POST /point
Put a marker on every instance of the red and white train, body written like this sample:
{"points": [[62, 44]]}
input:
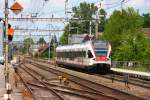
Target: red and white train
{"points": [[88, 55]]}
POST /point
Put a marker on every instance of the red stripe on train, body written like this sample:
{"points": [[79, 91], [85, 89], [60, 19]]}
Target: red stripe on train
{"points": [[101, 58]]}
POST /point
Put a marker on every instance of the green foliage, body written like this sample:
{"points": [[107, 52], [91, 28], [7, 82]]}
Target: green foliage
{"points": [[41, 41], [130, 48], [123, 30], [27, 43], [146, 20], [64, 38], [146, 46], [85, 12]]}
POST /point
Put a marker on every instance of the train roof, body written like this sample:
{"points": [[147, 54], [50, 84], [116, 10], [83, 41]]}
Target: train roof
{"points": [[74, 47]]}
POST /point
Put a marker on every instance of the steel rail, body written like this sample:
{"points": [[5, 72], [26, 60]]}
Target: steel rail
{"points": [[133, 81], [68, 88], [51, 90], [79, 94], [123, 95], [25, 84], [102, 94]]}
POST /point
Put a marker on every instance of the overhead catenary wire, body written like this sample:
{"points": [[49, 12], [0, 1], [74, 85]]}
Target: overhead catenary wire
{"points": [[34, 9], [118, 5]]}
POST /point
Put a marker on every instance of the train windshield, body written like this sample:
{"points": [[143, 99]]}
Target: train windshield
{"points": [[100, 48], [101, 52]]}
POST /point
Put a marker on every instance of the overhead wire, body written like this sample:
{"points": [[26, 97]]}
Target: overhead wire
{"points": [[36, 4], [117, 5]]}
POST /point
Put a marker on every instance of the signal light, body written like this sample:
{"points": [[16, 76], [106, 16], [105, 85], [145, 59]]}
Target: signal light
{"points": [[10, 33]]}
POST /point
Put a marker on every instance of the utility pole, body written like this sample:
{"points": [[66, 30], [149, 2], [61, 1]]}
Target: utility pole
{"points": [[90, 28], [6, 44], [122, 4], [66, 6], [66, 13], [98, 17], [30, 42], [69, 33], [90, 31], [7, 84], [49, 44], [96, 27]]}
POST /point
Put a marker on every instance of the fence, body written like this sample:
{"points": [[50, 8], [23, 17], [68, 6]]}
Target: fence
{"points": [[132, 65]]}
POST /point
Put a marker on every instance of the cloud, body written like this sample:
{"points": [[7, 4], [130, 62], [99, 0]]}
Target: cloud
{"points": [[139, 4], [57, 3]]}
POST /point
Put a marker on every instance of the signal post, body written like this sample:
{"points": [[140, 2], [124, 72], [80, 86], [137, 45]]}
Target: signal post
{"points": [[16, 8]]}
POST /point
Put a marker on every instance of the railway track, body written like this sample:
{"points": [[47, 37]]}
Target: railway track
{"points": [[55, 88], [87, 83], [73, 91], [38, 81], [132, 81], [116, 77]]}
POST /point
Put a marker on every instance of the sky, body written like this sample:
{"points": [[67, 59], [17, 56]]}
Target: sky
{"points": [[47, 8]]}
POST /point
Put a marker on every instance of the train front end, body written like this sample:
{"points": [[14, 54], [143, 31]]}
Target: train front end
{"points": [[102, 51]]}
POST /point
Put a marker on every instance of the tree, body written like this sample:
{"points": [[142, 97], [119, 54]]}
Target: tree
{"points": [[85, 13], [27, 43], [146, 20], [64, 37], [123, 30], [41, 41], [146, 52], [54, 39]]}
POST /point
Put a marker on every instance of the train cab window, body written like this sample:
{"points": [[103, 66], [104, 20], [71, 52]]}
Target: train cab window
{"points": [[89, 54]]}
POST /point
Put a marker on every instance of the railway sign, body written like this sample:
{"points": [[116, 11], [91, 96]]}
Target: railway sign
{"points": [[16, 8]]}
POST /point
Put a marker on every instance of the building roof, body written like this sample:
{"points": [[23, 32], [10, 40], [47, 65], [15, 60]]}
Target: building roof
{"points": [[80, 38], [146, 32]]}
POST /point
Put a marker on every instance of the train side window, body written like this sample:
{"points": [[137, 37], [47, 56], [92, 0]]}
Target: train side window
{"points": [[57, 54], [89, 54], [62, 55], [65, 54], [84, 53]]}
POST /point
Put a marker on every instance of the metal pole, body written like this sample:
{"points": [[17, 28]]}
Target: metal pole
{"points": [[49, 45], [30, 44], [7, 85], [54, 46], [90, 28], [98, 17], [96, 27], [6, 44], [90, 23], [69, 33], [122, 4]]}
